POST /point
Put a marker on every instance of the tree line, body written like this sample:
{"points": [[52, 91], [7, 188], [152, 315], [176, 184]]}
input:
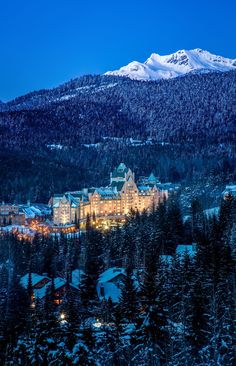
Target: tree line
{"points": [[178, 312]]}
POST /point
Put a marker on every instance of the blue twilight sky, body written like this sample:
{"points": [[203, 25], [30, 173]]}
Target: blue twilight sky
{"points": [[47, 42]]}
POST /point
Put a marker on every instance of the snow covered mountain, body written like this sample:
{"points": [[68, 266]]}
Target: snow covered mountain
{"points": [[176, 64]]}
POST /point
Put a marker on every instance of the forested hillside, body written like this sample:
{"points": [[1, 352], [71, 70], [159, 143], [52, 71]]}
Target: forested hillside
{"points": [[190, 108], [191, 122]]}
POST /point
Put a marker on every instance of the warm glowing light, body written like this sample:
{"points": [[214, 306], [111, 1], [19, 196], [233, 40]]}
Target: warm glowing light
{"points": [[63, 318], [98, 324]]}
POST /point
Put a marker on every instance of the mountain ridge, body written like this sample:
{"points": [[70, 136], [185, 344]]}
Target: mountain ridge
{"points": [[189, 122], [177, 64], [86, 109]]}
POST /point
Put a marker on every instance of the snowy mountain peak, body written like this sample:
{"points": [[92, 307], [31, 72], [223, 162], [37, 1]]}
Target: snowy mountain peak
{"points": [[176, 64]]}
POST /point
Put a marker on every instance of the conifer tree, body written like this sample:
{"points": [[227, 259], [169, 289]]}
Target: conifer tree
{"points": [[129, 299], [197, 219]]}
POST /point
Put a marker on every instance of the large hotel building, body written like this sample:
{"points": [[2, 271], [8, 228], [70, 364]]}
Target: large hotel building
{"points": [[111, 204]]}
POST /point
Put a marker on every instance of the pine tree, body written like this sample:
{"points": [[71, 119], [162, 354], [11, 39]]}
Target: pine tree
{"points": [[198, 333], [129, 299], [197, 219], [88, 284], [154, 334], [175, 225], [16, 312], [70, 309]]}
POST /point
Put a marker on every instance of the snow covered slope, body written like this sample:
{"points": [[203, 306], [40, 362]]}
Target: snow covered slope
{"points": [[177, 64]]}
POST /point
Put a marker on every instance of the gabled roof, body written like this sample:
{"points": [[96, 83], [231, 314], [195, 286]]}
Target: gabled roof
{"points": [[41, 292], [36, 278], [189, 249], [117, 185], [107, 289], [120, 171], [122, 166], [152, 178], [110, 274]]}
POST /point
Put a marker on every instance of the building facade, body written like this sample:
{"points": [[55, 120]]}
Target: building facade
{"points": [[113, 202], [11, 215]]}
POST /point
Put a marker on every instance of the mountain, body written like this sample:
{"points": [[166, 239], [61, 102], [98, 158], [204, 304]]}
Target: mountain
{"points": [[197, 107], [176, 64], [182, 129]]}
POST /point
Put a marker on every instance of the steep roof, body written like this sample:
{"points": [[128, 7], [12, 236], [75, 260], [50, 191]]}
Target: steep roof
{"points": [[36, 278], [152, 178], [117, 185], [120, 171], [41, 292], [111, 273]]}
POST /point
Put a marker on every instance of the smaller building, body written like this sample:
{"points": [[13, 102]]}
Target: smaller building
{"points": [[109, 284], [230, 190], [186, 249], [8, 208], [38, 281], [35, 211], [42, 283], [11, 215]]}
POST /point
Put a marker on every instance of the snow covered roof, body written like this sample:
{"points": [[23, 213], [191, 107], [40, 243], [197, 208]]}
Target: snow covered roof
{"points": [[110, 274], [231, 186], [59, 282], [41, 292], [19, 228], [76, 277], [117, 185], [144, 188], [152, 178], [168, 186], [29, 213], [183, 249], [35, 209], [120, 171], [212, 211], [36, 278], [230, 189], [166, 259], [106, 192]]}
